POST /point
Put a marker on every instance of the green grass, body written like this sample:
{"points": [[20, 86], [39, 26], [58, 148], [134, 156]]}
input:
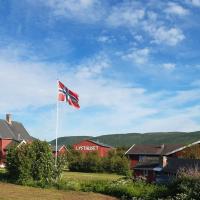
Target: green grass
{"points": [[84, 177], [17, 192], [2, 170], [73, 184], [110, 184]]}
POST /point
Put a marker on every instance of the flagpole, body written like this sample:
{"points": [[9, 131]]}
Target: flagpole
{"points": [[57, 121]]}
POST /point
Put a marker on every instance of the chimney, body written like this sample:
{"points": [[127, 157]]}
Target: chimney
{"points": [[8, 119], [164, 161]]}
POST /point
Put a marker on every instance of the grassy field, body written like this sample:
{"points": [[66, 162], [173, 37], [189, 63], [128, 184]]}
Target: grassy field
{"points": [[16, 192], [90, 176]]}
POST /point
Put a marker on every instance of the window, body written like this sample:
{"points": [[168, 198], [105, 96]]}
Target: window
{"points": [[141, 158], [145, 172]]}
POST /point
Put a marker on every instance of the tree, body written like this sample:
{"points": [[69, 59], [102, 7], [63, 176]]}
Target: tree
{"points": [[115, 162], [32, 162], [43, 167]]}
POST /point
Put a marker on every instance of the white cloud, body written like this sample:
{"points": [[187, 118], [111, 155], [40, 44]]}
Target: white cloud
{"points": [[160, 31], [93, 67], [169, 66], [176, 9], [179, 98], [129, 14], [105, 39], [139, 38], [177, 121], [162, 34], [82, 10], [125, 15], [139, 56], [25, 84], [133, 16], [194, 2], [30, 86]]}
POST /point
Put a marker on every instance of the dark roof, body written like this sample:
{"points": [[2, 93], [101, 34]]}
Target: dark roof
{"points": [[175, 164], [168, 148], [147, 163], [145, 149], [14, 131], [140, 149], [100, 144]]}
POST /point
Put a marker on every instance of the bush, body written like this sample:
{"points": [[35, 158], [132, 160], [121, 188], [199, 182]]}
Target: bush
{"points": [[124, 188], [186, 186], [91, 162], [32, 162], [19, 163]]}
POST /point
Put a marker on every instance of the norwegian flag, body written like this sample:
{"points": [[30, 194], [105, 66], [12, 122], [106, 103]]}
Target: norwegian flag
{"points": [[64, 94]]}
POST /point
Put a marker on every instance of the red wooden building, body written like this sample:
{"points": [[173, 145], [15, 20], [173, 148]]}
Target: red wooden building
{"points": [[87, 146], [11, 132], [61, 150], [154, 161]]}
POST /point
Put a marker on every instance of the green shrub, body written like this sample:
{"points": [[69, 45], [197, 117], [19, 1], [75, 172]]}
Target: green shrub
{"points": [[19, 163], [186, 186], [32, 162], [124, 188], [68, 185], [91, 162]]}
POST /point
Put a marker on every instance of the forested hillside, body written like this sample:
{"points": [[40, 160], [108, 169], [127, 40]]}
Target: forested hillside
{"points": [[119, 140]]}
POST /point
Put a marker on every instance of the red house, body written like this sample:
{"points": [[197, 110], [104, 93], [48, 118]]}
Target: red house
{"points": [[155, 161], [87, 146], [11, 132], [61, 150]]}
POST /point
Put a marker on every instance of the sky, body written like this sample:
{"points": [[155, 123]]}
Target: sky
{"points": [[134, 63]]}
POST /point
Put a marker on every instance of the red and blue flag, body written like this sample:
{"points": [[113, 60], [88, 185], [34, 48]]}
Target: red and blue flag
{"points": [[64, 94]]}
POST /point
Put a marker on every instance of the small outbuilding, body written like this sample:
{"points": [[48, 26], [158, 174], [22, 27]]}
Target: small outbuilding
{"points": [[61, 150]]}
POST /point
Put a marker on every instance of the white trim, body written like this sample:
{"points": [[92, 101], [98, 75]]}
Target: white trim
{"points": [[65, 147], [181, 148], [129, 149], [62, 147], [21, 143]]}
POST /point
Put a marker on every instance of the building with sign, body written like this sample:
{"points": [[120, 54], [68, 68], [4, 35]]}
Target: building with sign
{"points": [[88, 146]]}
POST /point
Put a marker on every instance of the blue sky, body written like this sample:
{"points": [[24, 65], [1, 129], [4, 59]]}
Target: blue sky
{"points": [[134, 64]]}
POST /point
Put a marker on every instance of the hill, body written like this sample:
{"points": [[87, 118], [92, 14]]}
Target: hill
{"points": [[126, 140]]}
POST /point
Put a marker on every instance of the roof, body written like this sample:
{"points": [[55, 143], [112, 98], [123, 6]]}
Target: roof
{"points": [[100, 144], [53, 147], [14, 131], [164, 149], [147, 163], [174, 164]]}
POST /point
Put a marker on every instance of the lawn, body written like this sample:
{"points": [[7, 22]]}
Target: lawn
{"points": [[17, 192], [82, 177]]}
